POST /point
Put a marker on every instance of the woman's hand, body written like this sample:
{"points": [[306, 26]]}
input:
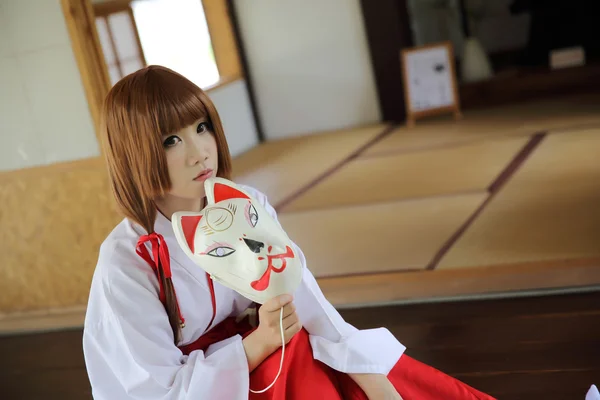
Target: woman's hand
{"points": [[266, 339], [376, 386], [268, 316]]}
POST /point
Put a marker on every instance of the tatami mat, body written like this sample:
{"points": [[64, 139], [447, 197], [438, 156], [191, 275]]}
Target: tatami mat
{"points": [[281, 168], [394, 236], [548, 211], [517, 119], [472, 167]]}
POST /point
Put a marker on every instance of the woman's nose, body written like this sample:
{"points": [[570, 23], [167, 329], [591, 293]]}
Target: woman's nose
{"points": [[196, 154]]}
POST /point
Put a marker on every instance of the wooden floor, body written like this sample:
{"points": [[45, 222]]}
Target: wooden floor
{"points": [[514, 349], [529, 348]]}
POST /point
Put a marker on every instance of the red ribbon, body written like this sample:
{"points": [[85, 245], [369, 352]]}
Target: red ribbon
{"points": [[160, 251]]}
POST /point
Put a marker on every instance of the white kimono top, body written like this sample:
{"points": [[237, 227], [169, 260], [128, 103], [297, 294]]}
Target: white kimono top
{"points": [[593, 393], [128, 343]]}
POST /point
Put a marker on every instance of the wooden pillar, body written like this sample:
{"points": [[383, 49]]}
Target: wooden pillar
{"points": [[387, 24]]}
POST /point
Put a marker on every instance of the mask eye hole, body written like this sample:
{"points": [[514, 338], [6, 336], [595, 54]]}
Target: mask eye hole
{"points": [[221, 252], [251, 215]]}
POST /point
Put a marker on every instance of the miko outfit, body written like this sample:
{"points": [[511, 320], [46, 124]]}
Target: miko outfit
{"points": [[593, 393], [130, 354]]}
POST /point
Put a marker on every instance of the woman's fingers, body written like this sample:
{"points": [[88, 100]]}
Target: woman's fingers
{"points": [[291, 331], [289, 321], [275, 304], [288, 310]]}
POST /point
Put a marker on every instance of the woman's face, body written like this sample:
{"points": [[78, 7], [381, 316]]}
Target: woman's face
{"points": [[192, 158]]}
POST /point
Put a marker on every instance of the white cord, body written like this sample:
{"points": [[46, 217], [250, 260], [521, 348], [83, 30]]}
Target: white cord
{"points": [[282, 353]]}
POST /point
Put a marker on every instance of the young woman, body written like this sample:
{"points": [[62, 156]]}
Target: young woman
{"points": [[158, 328]]}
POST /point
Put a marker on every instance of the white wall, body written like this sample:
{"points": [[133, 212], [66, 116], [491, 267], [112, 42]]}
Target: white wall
{"points": [[233, 104], [309, 64], [44, 116]]}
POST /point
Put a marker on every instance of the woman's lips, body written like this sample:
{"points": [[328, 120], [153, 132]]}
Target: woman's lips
{"points": [[204, 175]]}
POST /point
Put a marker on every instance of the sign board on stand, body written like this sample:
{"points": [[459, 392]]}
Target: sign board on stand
{"points": [[430, 84]]}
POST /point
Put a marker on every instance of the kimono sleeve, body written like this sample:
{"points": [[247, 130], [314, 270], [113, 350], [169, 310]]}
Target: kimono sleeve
{"points": [[128, 342], [334, 341], [593, 393]]}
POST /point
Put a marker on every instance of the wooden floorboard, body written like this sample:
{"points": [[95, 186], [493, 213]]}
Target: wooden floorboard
{"points": [[527, 348], [533, 385], [50, 350], [47, 384], [43, 366]]}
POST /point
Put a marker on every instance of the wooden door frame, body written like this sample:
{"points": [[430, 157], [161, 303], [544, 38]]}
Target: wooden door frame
{"points": [[387, 26], [104, 11], [79, 17]]}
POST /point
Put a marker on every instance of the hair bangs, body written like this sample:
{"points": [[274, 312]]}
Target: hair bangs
{"points": [[178, 108], [174, 100]]}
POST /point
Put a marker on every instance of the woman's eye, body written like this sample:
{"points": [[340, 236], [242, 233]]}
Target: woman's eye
{"points": [[171, 141], [202, 127], [221, 252]]}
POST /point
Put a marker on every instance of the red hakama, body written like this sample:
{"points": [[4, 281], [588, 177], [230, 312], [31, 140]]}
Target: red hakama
{"points": [[302, 377]]}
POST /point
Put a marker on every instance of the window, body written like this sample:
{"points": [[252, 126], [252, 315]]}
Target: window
{"points": [[173, 33], [120, 42], [107, 47]]}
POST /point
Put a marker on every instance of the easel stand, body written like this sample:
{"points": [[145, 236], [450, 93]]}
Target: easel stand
{"points": [[411, 118]]}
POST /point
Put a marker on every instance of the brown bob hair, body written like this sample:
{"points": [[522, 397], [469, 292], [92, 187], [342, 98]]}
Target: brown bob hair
{"points": [[138, 111]]}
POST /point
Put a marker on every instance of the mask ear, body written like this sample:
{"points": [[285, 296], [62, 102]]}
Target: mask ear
{"points": [[184, 226], [219, 189]]}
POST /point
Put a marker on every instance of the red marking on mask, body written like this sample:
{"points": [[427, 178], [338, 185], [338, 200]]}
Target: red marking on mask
{"points": [[264, 281], [225, 192], [189, 224]]}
